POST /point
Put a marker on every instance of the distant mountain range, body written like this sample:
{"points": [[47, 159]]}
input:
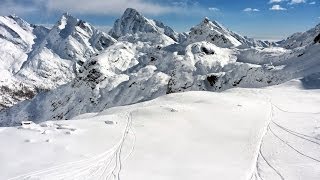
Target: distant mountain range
{"points": [[74, 68]]}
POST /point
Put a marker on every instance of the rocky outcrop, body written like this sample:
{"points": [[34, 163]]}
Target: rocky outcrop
{"points": [[317, 39]]}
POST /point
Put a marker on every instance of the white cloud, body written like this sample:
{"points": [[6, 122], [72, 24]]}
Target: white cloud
{"points": [[100, 7], [251, 10], [277, 8], [103, 28], [213, 9], [108, 7], [312, 3], [297, 1], [275, 1], [9, 7], [49, 26]]}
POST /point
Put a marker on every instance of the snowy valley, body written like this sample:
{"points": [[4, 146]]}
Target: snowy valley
{"points": [[146, 102]]}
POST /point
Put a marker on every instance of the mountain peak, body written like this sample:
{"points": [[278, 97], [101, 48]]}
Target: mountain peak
{"points": [[206, 20], [21, 22], [133, 22], [13, 16], [67, 16], [222, 36], [213, 32], [66, 25], [211, 23], [16, 30], [131, 11]]}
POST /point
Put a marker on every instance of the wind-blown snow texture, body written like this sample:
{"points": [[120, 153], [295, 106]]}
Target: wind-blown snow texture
{"points": [[146, 60]]}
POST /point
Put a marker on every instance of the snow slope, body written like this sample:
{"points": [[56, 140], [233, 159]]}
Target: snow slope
{"points": [[301, 39], [161, 133], [192, 135], [290, 147], [17, 38]]}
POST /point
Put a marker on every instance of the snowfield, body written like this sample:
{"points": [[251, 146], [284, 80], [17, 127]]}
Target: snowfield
{"points": [[270, 133]]}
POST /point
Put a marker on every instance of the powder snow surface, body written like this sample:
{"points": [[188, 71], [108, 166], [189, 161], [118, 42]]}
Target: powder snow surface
{"points": [[270, 133]]}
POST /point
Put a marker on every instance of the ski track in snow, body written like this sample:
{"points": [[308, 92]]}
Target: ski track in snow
{"points": [[293, 148], [107, 165], [257, 175]]}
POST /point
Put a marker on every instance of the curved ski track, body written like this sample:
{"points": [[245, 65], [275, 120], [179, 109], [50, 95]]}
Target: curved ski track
{"points": [[270, 129], [106, 165]]}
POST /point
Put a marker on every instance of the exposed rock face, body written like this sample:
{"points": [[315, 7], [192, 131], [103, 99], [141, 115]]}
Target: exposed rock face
{"points": [[317, 39]]}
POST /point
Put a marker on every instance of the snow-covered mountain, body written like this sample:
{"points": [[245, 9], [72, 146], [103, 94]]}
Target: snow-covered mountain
{"points": [[133, 22], [145, 63], [34, 58], [32, 55], [66, 47], [17, 38], [302, 39], [214, 32]]}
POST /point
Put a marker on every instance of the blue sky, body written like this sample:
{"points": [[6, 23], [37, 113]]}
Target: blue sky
{"points": [[262, 19]]}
